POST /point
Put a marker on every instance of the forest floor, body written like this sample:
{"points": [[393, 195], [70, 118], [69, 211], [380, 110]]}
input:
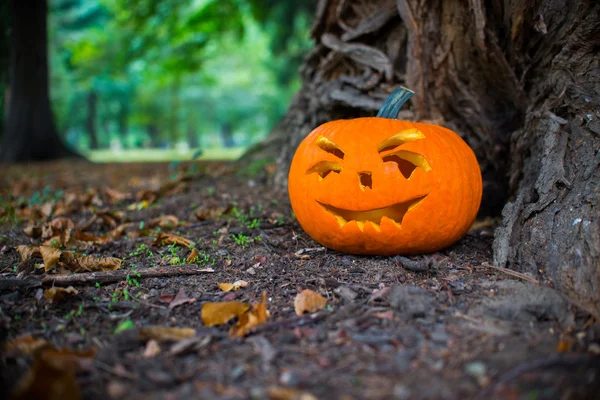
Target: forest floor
{"points": [[441, 326]]}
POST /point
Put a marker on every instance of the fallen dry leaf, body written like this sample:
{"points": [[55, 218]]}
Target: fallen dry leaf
{"points": [[114, 195], [235, 286], [284, 393], [152, 349], [250, 320], [27, 252], [308, 301], [52, 375], [72, 261], [160, 333], [50, 255], [206, 213], [55, 294], [221, 313], [26, 345], [165, 222], [180, 298], [169, 238], [193, 257]]}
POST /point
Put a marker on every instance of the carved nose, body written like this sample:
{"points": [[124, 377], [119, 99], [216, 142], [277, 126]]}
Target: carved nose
{"points": [[365, 179]]}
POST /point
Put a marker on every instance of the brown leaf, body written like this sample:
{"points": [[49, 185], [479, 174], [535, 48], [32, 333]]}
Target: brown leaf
{"points": [[50, 256], [26, 345], [152, 349], [52, 375], [28, 252], [180, 298], [55, 294], [206, 213], [114, 195], [221, 313], [169, 238], [33, 230], [167, 222], [80, 263], [235, 286], [160, 333], [308, 301], [250, 320]]}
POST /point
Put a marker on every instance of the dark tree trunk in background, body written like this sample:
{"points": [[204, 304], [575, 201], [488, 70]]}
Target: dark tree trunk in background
{"points": [[519, 80], [4, 58], [90, 121], [123, 119], [227, 135], [30, 133]]}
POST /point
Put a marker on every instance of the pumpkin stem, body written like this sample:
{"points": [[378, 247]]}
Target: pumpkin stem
{"points": [[392, 105]]}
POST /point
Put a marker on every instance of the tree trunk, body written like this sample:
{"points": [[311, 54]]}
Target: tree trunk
{"points": [[519, 80], [30, 133], [123, 119], [227, 135], [4, 57], [90, 121]]}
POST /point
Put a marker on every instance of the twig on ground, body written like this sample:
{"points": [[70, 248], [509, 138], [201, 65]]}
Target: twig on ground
{"points": [[90, 278], [510, 272]]}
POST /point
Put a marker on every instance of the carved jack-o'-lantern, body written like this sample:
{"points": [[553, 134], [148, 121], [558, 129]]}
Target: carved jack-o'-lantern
{"points": [[384, 186]]}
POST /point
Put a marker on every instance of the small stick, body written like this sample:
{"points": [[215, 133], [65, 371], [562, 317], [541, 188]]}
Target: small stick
{"points": [[516, 274], [90, 278]]}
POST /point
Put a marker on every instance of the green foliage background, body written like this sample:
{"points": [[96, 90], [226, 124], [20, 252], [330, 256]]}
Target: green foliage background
{"points": [[191, 73]]}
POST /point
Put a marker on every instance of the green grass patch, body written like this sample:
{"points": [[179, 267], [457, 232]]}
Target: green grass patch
{"points": [[162, 155]]}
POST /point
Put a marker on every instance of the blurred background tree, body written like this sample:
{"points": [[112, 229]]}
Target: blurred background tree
{"points": [[169, 75]]}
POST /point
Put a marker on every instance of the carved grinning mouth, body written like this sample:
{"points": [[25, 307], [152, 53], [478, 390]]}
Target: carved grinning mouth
{"points": [[395, 213]]}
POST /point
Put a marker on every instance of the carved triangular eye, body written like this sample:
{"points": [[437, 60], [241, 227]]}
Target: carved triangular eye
{"points": [[399, 139], [407, 162], [324, 168], [330, 147]]}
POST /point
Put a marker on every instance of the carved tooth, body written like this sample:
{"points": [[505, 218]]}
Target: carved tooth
{"points": [[361, 225], [376, 226], [341, 220], [391, 220]]}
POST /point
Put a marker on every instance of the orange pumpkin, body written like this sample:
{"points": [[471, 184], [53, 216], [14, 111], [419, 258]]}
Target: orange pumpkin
{"points": [[383, 186]]}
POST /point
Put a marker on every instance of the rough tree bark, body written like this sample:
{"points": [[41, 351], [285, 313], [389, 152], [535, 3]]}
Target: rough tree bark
{"points": [[29, 133], [519, 80]]}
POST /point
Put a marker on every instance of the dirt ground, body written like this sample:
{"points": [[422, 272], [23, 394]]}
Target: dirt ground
{"points": [[440, 326]]}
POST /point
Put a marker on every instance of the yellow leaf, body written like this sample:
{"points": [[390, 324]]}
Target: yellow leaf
{"points": [[221, 313], [308, 301], [55, 294], [227, 287], [284, 393], [250, 320], [193, 257], [166, 333], [169, 238]]}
